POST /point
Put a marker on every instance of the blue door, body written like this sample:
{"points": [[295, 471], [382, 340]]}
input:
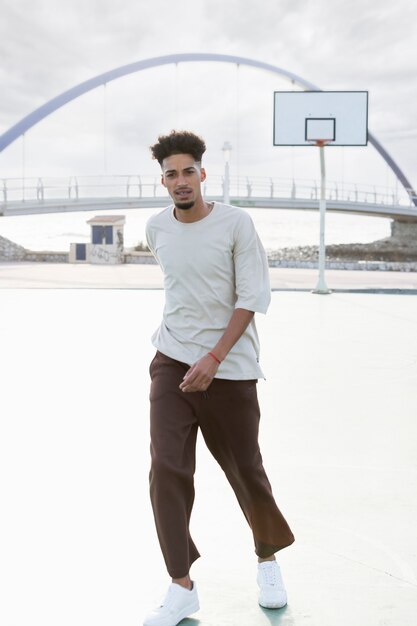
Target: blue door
{"points": [[103, 234], [108, 234], [80, 251]]}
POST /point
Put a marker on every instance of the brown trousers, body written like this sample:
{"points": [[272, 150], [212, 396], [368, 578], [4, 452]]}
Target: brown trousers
{"points": [[228, 416]]}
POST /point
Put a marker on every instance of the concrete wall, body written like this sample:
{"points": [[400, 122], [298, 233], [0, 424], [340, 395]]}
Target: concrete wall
{"points": [[350, 265], [10, 252], [140, 257], [46, 257], [404, 232]]}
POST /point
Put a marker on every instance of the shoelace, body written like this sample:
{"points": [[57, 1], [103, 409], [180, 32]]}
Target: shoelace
{"points": [[269, 574]]}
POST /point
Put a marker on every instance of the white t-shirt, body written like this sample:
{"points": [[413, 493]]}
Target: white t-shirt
{"points": [[210, 267]]}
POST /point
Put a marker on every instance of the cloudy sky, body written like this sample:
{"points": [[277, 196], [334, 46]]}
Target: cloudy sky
{"points": [[48, 46]]}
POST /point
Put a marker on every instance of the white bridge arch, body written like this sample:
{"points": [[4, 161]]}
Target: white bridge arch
{"points": [[20, 128]]}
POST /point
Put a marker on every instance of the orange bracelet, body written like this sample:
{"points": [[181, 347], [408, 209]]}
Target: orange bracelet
{"points": [[214, 357]]}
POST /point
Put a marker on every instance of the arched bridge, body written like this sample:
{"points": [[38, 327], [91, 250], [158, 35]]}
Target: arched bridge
{"points": [[49, 107]]}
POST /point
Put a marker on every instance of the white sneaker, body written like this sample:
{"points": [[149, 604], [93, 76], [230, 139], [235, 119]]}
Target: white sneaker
{"points": [[179, 603], [272, 594]]}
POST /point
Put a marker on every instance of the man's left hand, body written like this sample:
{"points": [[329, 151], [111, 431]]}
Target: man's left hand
{"points": [[200, 374]]}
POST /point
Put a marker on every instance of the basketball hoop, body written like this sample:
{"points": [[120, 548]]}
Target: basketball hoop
{"points": [[320, 119], [320, 143]]}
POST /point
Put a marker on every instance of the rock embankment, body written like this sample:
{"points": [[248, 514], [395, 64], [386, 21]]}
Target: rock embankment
{"points": [[385, 250], [10, 252], [392, 253]]}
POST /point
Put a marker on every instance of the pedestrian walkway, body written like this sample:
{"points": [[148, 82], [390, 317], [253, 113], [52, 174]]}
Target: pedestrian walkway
{"points": [[143, 276], [338, 436]]}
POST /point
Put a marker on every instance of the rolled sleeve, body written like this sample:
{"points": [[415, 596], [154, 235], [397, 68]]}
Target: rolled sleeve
{"points": [[252, 285]]}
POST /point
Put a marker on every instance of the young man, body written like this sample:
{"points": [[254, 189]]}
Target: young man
{"points": [[205, 371]]}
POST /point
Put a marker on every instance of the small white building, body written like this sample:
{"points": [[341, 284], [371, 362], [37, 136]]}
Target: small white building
{"points": [[106, 245]]}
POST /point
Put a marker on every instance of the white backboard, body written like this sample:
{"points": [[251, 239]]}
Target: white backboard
{"points": [[302, 117]]}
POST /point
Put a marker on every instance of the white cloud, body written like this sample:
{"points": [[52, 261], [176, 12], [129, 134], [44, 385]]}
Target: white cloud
{"points": [[47, 46]]}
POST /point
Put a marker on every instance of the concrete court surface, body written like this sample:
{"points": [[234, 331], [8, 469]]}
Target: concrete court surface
{"points": [[142, 276], [338, 435]]}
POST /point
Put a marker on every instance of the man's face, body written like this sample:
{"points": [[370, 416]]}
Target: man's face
{"points": [[182, 176]]}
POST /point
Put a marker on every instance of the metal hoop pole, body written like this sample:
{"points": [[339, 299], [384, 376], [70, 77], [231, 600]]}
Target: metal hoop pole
{"points": [[321, 287]]}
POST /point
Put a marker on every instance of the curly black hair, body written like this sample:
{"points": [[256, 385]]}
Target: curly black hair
{"points": [[178, 142]]}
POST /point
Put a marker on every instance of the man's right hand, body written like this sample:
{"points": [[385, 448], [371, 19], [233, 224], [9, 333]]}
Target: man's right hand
{"points": [[200, 374]]}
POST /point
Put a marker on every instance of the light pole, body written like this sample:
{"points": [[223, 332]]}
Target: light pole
{"points": [[227, 149]]}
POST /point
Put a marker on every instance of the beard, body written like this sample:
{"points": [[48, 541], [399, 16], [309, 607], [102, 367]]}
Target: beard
{"points": [[184, 206]]}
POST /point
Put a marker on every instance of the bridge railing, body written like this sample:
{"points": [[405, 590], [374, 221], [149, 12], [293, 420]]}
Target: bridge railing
{"points": [[77, 188], [310, 190]]}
